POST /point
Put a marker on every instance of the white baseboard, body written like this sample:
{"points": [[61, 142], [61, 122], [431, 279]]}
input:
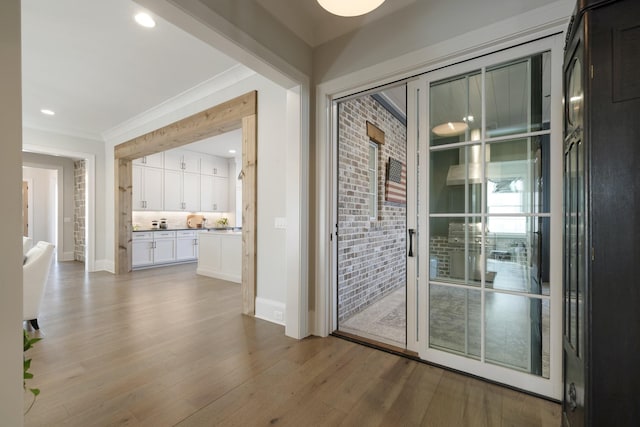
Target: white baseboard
{"points": [[68, 256], [270, 310], [105, 265], [203, 271]]}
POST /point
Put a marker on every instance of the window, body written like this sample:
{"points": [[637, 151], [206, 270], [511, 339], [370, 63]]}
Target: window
{"points": [[373, 180]]}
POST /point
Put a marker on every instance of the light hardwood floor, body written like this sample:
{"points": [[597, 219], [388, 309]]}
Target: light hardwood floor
{"points": [[166, 347]]}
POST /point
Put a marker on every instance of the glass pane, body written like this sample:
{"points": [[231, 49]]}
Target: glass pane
{"points": [[518, 261], [456, 175], [581, 260], [573, 251], [454, 320], [575, 96], [516, 176], [515, 98], [455, 248], [455, 109], [516, 335]]}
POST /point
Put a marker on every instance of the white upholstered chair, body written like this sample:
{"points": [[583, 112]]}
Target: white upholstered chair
{"points": [[27, 243], [35, 274]]}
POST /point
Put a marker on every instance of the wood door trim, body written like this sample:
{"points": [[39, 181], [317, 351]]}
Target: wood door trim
{"points": [[237, 113]]}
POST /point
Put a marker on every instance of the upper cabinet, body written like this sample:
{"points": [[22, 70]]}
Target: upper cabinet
{"points": [[213, 165], [171, 181], [152, 160]]}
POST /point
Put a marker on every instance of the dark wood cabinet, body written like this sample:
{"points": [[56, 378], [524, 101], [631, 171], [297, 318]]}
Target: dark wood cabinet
{"points": [[601, 283]]}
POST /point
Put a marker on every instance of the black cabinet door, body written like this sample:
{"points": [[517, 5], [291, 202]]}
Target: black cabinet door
{"points": [[575, 277]]}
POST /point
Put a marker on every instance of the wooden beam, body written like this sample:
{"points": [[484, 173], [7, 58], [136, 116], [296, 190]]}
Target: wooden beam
{"points": [[375, 133], [249, 213], [213, 121], [123, 208]]}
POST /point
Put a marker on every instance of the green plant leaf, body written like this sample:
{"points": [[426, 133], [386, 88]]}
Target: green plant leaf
{"points": [[35, 391]]}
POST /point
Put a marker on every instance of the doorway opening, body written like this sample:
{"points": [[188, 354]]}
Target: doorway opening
{"points": [[371, 226]]}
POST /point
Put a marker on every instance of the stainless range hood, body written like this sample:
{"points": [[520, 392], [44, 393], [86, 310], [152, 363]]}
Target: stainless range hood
{"points": [[504, 172], [457, 174]]}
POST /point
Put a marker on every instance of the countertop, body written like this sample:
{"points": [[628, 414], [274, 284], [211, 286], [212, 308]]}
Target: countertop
{"points": [[189, 229]]}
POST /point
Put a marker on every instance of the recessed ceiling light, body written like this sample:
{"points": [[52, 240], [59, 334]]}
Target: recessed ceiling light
{"points": [[145, 20], [47, 112], [232, 151]]}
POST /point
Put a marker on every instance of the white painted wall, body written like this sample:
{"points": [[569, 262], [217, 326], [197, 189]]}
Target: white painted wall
{"points": [[65, 181], [272, 149], [11, 393]]}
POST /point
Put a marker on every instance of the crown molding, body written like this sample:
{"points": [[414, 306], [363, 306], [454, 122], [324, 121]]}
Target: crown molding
{"points": [[75, 133], [221, 81]]}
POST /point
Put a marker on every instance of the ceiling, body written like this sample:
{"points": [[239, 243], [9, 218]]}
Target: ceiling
{"points": [[96, 68], [309, 21]]}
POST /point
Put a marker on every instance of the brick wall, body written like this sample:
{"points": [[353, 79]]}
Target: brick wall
{"points": [[371, 253], [79, 174]]}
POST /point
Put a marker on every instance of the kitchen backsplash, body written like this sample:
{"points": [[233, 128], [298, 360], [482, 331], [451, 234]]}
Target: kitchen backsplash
{"points": [[142, 219]]}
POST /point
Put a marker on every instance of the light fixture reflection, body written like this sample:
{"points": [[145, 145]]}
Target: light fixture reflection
{"points": [[145, 20], [450, 129], [350, 8], [47, 112], [232, 151]]}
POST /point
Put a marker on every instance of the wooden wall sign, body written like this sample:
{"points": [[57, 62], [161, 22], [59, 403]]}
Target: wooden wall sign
{"points": [[375, 133]]}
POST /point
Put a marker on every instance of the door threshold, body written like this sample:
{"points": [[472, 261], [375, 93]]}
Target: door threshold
{"points": [[389, 348]]}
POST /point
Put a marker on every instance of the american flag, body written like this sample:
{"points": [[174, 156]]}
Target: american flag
{"points": [[396, 185]]}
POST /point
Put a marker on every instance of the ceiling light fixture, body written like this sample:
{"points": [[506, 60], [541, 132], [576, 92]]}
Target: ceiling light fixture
{"points": [[145, 20], [350, 8], [450, 129], [47, 112]]}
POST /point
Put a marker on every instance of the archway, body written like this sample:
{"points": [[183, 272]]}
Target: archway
{"points": [[240, 112]]}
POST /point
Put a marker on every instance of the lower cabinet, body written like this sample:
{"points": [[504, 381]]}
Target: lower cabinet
{"points": [[163, 247], [186, 245]]}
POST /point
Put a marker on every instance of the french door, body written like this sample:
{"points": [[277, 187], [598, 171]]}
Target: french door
{"points": [[488, 216]]}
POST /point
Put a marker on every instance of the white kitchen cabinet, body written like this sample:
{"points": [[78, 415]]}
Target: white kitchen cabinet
{"points": [[181, 191], [152, 160], [188, 161], [214, 194], [164, 247], [172, 190], [142, 249], [191, 191], [187, 245], [214, 165], [191, 161], [220, 194], [173, 160], [147, 188]]}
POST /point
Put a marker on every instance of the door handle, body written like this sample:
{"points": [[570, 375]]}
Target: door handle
{"points": [[411, 231]]}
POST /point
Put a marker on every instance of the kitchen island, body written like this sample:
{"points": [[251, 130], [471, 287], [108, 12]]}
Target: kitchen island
{"points": [[220, 254]]}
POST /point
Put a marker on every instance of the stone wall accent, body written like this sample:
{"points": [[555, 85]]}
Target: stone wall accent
{"points": [[371, 253], [79, 190]]}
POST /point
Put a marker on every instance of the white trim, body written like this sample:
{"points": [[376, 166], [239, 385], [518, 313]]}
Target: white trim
{"points": [[67, 256], [105, 265], [204, 271], [76, 133], [297, 157], [207, 88], [90, 252], [266, 310]]}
